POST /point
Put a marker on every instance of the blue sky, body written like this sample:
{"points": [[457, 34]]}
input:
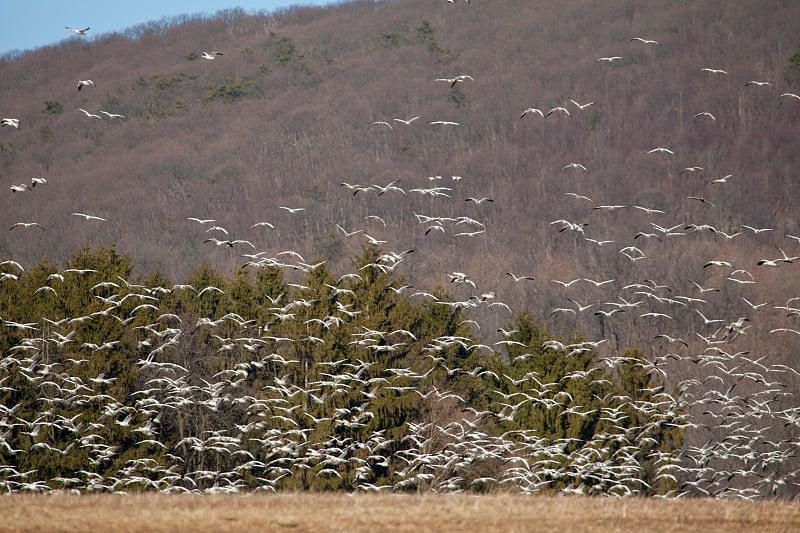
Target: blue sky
{"points": [[34, 23]]}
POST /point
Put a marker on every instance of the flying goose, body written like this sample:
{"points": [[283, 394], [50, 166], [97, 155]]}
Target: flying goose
{"points": [[532, 111], [85, 83], [757, 230], [716, 263], [456, 79], [579, 196], [662, 150], [575, 166], [645, 41], [559, 108], [263, 223], [78, 31], [355, 188], [389, 187], [714, 70], [758, 83], [381, 123], [349, 233], [26, 225], [217, 228], [13, 122], [211, 55], [89, 217], [581, 106], [708, 321], [407, 122], [479, 201], [691, 169], [228, 243], [112, 115], [705, 114], [723, 179], [90, 114], [700, 199]]}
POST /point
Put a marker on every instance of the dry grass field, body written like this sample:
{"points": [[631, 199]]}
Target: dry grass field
{"points": [[375, 513]]}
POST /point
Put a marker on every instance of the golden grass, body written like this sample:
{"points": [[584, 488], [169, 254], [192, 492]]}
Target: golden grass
{"points": [[396, 513]]}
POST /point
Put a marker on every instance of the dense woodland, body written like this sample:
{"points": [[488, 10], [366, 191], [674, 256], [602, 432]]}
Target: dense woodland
{"points": [[628, 252]]}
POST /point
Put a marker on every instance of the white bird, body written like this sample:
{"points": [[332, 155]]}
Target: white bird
{"points": [[598, 283], [757, 230], [78, 31], [648, 210], [705, 114], [691, 169], [90, 114], [714, 70], [292, 209], [381, 123], [388, 187], [376, 217], [38, 181], [263, 223], [112, 115], [479, 201], [85, 83], [581, 106], [217, 228], [200, 220], [787, 330], [532, 111], [406, 122], [576, 166], [786, 258], [662, 150], [26, 225], [373, 240], [566, 283], [700, 199], [211, 55], [20, 188], [581, 308], [13, 122], [723, 179], [519, 278], [444, 123], [645, 41], [349, 233], [708, 321], [718, 263], [89, 217], [208, 289], [579, 196], [791, 95], [457, 79], [559, 108], [609, 59], [758, 83]]}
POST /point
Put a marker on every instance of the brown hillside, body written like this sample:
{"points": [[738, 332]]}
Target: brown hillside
{"points": [[283, 118]]}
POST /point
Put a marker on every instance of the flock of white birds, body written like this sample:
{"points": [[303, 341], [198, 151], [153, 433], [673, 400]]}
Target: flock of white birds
{"points": [[742, 395]]}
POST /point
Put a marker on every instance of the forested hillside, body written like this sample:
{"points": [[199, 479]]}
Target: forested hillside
{"points": [[617, 178]]}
